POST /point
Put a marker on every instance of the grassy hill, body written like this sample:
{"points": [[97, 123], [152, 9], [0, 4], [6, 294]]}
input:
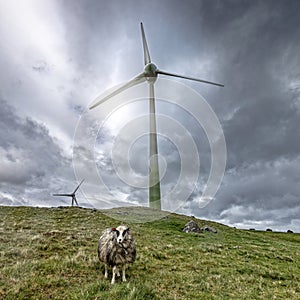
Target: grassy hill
{"points": [[52, 254]]}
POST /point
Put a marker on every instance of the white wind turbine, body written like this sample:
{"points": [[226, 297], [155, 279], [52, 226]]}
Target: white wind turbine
{"points": [[74, 200], [150, 74]]}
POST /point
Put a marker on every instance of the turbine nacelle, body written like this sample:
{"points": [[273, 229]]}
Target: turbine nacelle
{"points": [[150, 72]]}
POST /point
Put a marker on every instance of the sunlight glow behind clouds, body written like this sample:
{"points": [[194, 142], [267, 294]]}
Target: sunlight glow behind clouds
{"points": [[56, 57]]}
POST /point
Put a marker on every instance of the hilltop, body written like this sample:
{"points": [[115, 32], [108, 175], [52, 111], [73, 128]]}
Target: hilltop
{"points": [[51, 253]]}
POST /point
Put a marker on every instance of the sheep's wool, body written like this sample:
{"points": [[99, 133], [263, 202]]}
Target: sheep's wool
{"points": [[112, 253]]}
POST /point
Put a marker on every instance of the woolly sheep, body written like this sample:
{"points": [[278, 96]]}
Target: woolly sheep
{"points": [[116, 247]]}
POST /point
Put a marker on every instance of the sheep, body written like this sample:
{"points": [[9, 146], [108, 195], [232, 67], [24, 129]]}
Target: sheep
{"points": [[116, 247]]}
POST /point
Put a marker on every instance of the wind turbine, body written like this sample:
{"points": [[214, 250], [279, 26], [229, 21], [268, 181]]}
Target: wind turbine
{"points": [[71, 195], [150, 74]]}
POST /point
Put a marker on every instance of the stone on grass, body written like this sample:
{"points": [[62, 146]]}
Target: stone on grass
{"points": [[208, 229], [191, 226]]}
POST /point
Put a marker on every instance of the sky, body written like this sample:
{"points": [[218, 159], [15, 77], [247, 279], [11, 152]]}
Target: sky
{"points": [[58, 56]]}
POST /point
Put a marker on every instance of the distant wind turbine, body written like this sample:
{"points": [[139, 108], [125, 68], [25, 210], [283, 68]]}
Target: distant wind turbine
{"points": [[72, 195], [150, 74]]}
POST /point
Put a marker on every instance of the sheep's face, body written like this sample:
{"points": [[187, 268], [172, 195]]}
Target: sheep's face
{"points": [[121, 232]]}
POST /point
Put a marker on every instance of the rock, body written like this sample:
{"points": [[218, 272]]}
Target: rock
{"points": [[191, 226], [208, 229]]}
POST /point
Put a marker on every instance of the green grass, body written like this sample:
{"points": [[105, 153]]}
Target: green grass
{"points": [[52, 254]]}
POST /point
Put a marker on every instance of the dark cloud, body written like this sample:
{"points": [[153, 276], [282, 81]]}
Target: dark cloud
{"points": [[50, 77], [31, 159], [257, 194]]}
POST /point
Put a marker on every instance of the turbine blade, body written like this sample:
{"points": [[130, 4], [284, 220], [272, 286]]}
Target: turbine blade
{"points": [[136, 80], [69, 195], [147, 58], [78, 186], [186, 77], [75, 200]]}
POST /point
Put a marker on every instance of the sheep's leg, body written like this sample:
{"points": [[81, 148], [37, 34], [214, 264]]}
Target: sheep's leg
{"points": [[118, 273], [115, 271], [123, 273], [106, 271]]}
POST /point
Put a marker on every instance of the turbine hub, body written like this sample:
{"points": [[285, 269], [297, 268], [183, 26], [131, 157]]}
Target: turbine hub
{"points": [[150, 72]]}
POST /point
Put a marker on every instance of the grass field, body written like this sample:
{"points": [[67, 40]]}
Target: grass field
{"points": [[51, 253]]}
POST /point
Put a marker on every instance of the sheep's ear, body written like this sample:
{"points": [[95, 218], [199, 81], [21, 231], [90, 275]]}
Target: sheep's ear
{"points": [[127, 229], [114, 229]]}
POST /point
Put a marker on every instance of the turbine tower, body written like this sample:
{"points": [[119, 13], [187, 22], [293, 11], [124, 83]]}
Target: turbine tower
{"points": [[74, 200], [150, 74]]}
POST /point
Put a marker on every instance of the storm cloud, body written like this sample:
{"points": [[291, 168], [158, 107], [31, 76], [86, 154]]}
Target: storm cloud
{"points": [[58, 56]]}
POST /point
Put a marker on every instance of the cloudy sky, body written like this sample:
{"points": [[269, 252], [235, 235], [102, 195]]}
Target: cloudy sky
{"points": [[57, 56]]}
